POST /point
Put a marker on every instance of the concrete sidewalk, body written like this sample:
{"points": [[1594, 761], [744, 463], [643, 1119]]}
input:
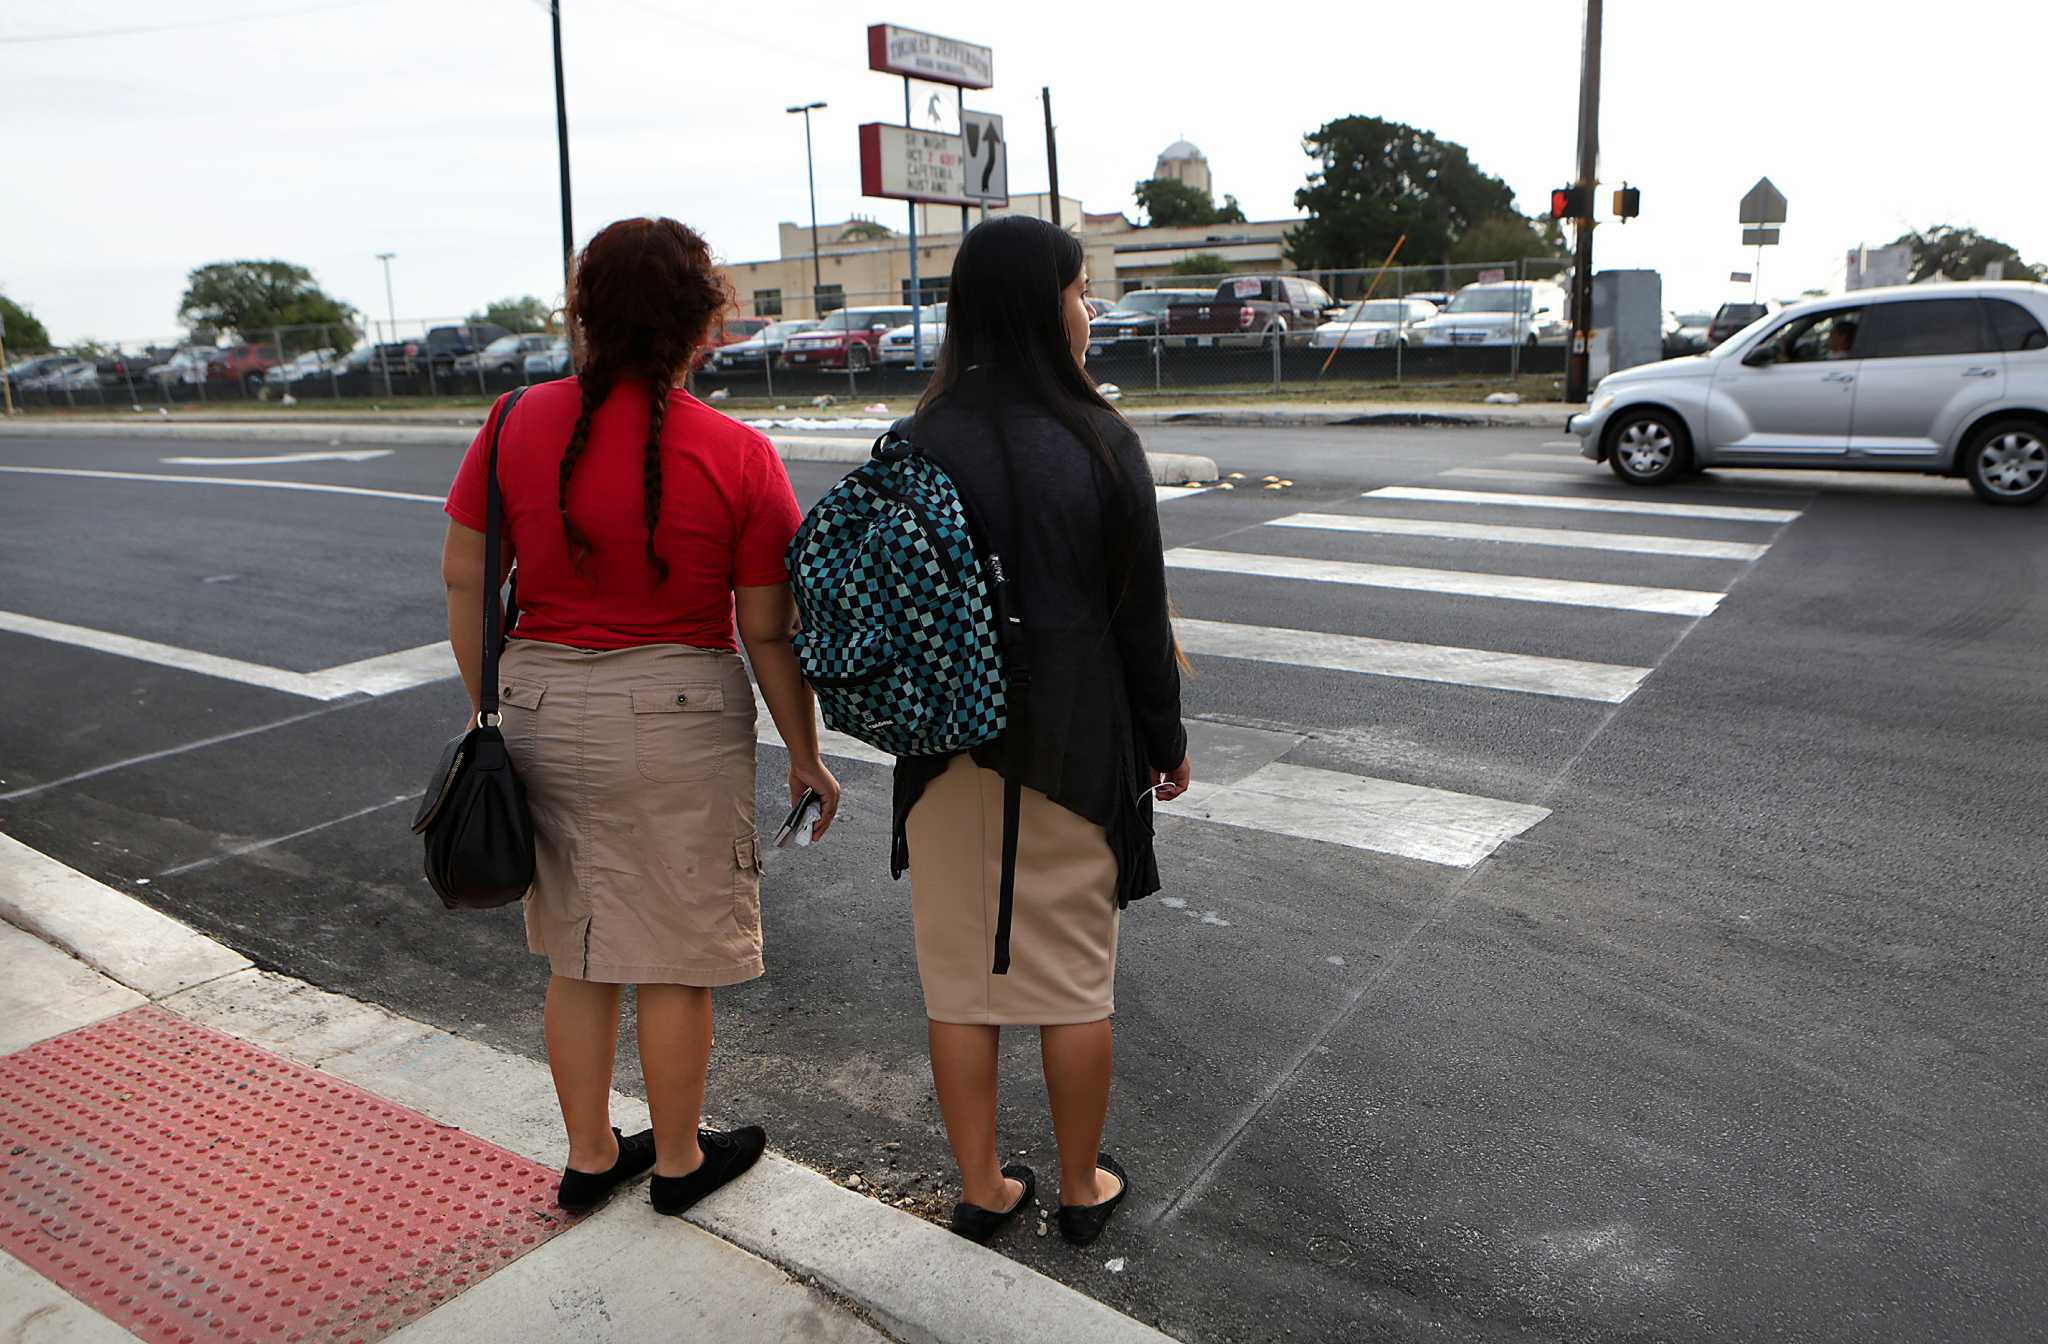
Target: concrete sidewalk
{"points": [[780, 1254]]}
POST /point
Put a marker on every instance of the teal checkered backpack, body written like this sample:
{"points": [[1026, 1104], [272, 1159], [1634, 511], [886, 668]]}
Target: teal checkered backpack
{"points": [[903, 607]]}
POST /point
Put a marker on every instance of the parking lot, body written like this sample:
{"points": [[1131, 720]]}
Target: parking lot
{"points": [[1602, 914]]}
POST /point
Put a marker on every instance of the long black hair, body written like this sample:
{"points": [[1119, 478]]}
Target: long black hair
{"points": [[1006, 331]]}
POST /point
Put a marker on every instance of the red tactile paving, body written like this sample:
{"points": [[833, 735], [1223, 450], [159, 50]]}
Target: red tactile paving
{"points": [[195, 1188]]}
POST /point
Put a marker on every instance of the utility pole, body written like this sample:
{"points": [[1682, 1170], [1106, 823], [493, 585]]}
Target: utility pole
{"points": [[391, 312], [1578, 363], [1052, 153], [811, 175], [562, 143]]}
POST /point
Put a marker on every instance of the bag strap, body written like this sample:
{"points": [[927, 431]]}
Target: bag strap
{"points": [[494, 523]]}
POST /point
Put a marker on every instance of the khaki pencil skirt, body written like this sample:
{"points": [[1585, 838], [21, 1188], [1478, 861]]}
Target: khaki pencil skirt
{"points": [[1063, 915], [639, 768]]}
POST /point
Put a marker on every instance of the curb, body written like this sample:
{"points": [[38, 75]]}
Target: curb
{"points": [[919, 1282], [1167, 468]]}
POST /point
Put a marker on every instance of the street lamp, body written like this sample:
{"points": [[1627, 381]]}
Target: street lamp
{"points": [[391, 312], [811, 175]]}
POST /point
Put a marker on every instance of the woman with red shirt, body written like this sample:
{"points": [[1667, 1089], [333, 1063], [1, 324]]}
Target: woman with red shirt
{"points": [[645, 525]]}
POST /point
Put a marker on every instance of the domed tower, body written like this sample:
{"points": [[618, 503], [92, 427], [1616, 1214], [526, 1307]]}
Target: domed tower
{"points": [[1184, 163]]}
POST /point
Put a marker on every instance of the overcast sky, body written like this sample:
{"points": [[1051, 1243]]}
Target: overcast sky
{"points": [[323, 134]]}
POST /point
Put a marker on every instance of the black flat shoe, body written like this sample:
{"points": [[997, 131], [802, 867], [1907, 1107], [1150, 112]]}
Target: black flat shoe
{"points": [[582, 1191], [1081, 1224], [726, 1155], [978, 1224]]}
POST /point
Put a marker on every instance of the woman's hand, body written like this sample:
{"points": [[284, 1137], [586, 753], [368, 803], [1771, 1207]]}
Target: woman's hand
{"points": [[1171, 784], [812, 774]]}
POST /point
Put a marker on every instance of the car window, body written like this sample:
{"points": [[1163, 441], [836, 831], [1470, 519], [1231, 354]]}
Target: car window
{"points": [[2013, 328], [1817, 337], [1908, 327]]}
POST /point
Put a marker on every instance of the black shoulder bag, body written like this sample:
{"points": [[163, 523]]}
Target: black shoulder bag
{"points": [[474, 818]]}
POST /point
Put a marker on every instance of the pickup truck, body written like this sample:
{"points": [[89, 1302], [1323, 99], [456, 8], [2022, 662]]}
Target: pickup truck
{"points": [[1251, 310]]}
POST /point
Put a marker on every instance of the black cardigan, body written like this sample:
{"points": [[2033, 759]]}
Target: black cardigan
{"points": [[1088, 576]]}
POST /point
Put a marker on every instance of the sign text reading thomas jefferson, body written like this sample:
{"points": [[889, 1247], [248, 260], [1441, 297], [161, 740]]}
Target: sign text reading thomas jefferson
{"points": [[942, 60]]}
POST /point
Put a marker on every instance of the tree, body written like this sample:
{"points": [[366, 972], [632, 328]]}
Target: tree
{"points": [[19, 328], [865, 231], [1168, 201], [1963, 254], [1201, 263], [1378, 180], [525, 313], [250, 298], [1509, 237]]}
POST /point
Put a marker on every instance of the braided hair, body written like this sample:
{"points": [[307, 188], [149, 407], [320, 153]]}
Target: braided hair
{"points": [[644, 296]]}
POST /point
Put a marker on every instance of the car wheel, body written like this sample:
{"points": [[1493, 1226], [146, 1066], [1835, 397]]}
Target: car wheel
{"points": [[1647, 447], [2007, 462], [858, 359]]}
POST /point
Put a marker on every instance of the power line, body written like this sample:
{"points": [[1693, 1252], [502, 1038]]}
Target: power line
{"points": [[132, 30]]}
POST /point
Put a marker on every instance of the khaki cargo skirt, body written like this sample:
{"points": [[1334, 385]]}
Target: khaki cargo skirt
{"points": [[639, 767], [1063, 915]]}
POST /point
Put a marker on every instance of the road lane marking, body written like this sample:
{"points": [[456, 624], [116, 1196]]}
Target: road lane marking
{"points": [[1559, 443], [238, 851], [311, 486], [1166, 494], [1510, 474], [310, 685], [1567, 678], [829, 742], [1464, 583], [1384, 816], [150, 757], [1727, 512], [1634, 542], [282, 459], [399, 671]]}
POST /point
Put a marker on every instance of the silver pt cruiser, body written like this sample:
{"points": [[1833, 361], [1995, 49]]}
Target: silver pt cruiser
{"points": [[1943, 379]]}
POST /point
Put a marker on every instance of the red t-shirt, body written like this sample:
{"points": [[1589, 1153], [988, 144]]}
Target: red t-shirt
{"points": [[727, 516]]}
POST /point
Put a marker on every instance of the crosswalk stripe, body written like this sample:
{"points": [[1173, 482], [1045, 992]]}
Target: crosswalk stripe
{"points": [[1502, 499], [1358, 811], [1166, 494], [1381, 815], [1510, 474], [1542, 457], [1568, 678], [1635, 542], [1511, 587]]}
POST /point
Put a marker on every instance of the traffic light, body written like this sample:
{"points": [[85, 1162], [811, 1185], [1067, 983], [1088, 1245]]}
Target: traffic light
{"points": [[1571, 203], [1628, 202]]}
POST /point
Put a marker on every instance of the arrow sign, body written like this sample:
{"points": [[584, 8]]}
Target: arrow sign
{"points": [[1764, 204], [281, 459]]}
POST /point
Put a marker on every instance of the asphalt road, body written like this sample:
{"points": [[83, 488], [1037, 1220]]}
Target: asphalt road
{"points": [[1692, 989]]}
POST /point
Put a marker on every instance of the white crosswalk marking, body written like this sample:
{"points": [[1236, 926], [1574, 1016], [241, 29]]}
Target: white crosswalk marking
{"points": [[1511, 474], [1593, 504], [1637, 543], [1565, 677], [1382, 815], [1466, 583]]}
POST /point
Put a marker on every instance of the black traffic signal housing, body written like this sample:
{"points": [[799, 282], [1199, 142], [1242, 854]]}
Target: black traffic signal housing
{"points": [[1628, 202], [1571, 203]]}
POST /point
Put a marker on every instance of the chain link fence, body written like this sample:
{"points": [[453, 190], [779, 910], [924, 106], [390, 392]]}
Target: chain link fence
{"points": [[1271, 332]]}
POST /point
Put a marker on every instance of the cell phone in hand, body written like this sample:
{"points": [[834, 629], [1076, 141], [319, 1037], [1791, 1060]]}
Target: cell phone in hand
{"points": [[803, 818]]}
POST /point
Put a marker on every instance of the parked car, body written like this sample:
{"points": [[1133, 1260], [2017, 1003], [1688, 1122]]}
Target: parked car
{"points": [[1437, 298], [1373, 324], [895, 348], [755, 351], [68, 374], [552, 362], [1136, 320], [241, 364], [1950, 381], [1733, 317], [442, 346], [24, 371], [507, 354], [304, 365], [1692, 333], [1499, 313], [187, 367], [1251, 310], [846, 339]]}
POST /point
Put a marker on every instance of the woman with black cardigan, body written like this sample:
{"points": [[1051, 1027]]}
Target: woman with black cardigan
{"points": [[1059, 482]]}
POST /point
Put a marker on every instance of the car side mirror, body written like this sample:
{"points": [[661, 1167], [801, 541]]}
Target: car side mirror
{"points": [[1761, 356]]}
